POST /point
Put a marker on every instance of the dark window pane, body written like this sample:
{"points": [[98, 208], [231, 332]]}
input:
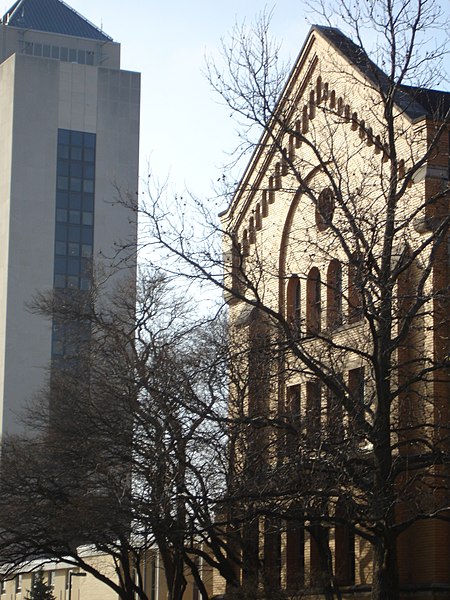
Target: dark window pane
{"points": [[89, 58], [86, 250], [89, 155], [46, 51], [74, 216], [76, 139], [63, 167], [86, 235], [72, 282], [75, 201], [37, 49], [89, 140], [60, 248], [73, 266], [72, 55], [62, 199], [88, 218], [89, 171], [88, 202], [63, 183], [75, 184], [60, 281], [74, 249], [60, 265], [55, 51], [63, 136], [63, 53], [63, 151], [61, 233], [74, 233], [81, 57], [75, 153], [61, 215], [88, 186], [76, 169]]}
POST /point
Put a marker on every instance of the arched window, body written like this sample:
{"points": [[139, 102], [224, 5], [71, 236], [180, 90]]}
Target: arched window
{"points": [[355, 308], [294, 309], [313, 302], [312, 105], [344, 544], [245, 243], [271, 190], [236, 264], [333, 99], [272, 554], [278, 184], [313, 411], [324, 209], [252, 230], [319, 89], [258, 220], [305, 120], [334, 295], [295, 556]]}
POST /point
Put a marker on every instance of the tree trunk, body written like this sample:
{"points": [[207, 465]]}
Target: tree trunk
{"points": [[385, 573]]}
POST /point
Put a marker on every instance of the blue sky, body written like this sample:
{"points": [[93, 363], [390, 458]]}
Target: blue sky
{"points": [[184, 131]]}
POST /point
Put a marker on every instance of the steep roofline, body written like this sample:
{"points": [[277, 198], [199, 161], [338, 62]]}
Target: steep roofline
{"points": [[309, 40], [5, 20], [437, 102], [410, 99]]}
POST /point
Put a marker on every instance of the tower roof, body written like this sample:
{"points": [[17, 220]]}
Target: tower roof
{"points": [[54, 16]]}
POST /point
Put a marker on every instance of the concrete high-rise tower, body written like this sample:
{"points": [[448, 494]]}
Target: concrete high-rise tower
{"points": [[69, 135]]}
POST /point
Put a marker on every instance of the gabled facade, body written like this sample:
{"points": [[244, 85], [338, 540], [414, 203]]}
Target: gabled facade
{"points": [[336, 250]]}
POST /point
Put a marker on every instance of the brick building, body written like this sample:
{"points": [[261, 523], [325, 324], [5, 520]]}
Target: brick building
{"points": [[336, 246]]}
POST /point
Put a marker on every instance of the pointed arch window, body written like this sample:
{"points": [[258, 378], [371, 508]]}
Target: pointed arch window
{"points": [[313, 411], [251, 230], [236, 264], [324, 209], [313, 302], [245, 243], [294, 299], [355, 306], [258, 219], [295, 555], [334, 295], [344, 542]]}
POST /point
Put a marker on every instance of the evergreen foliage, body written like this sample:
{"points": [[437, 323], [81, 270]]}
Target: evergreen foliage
{"points": [[40, 589]]}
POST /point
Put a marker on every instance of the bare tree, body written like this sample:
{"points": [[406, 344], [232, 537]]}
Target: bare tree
{"points": [[129, 444], [354, 158]]}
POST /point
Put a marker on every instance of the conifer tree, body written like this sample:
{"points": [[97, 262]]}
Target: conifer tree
{"points": [[40, 589]]}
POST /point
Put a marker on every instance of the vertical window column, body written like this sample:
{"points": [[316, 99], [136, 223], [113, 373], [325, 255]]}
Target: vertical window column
{"points": [[74, 228]]}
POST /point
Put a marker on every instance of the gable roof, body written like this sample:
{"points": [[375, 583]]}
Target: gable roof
{"points": [[54, 16], [415, 101]]}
